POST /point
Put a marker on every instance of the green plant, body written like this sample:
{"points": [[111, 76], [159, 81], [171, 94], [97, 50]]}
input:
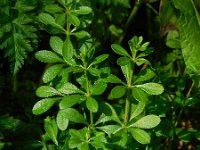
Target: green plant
{"points": [[77, 80], [17, 31]]}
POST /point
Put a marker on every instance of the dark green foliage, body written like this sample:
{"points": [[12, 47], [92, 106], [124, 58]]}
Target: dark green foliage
{"points": [[17, 31], [98, 84]]}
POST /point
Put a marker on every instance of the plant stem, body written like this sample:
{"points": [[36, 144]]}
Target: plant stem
{"points": [[130, 19], [153, 9], [88, 91], [128, 98], [127, 107]]}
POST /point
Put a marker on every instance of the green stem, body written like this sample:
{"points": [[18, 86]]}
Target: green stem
{"points": [[153, 9], [127, 107], [128, 98], [88, 91], [130, 19]]}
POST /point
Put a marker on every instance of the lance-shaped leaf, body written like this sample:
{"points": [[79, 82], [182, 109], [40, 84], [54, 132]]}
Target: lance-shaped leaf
{"points": [[137, 110], [71, 100], [68, 50], [151, 88], [147, 122], [110, 129], [72, 114], [73, 19], [139, 95], [144, 75], [56, 44], [92, 104], [117, 92], [48, 19], [83, 10], [119, 50], [140, 135], [51, 72], [113, 79], [51, 129], [48, 57], [68, 88], [99, 59], [98, 88], [81, 34], [44, 105], [62, 121], [46, 91], [127, 71]]}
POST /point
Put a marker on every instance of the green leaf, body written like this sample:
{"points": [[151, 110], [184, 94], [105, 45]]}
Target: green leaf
{"points": [[99, 59], [72, 114], [83, 146], [77, 137], [144, 46], [189, 29], [56, 44], [144, 75], [117, 92], [73, 19], [48, 19], [94, 71], [51, 73], [68, 88], [151, 88], [91, 104], [141, 61], [71, 100], [53, 8], [147, 122], [139, 95], [68, 50], [62, 121], [127, 71], [103, 118], [183, 134], [119, 50], [140, 135], [114, 115], [98, 88], [48, 57], [122, 61], [81, 34], [110, 129], [137, 109], [83, 10], [51, 129], [46, 91], [44, 105], [113, 79]]}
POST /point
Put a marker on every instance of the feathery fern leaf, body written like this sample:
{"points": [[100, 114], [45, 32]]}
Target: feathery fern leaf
{"points": [[17, 34]]}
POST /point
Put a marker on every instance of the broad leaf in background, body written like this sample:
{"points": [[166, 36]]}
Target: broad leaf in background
{"points": [[189, 28], [184, 17]]}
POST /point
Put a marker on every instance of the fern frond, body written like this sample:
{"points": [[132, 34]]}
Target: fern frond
{"points": [[17, 33]]}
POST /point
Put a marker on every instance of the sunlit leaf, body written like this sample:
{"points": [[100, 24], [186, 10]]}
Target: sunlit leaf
{"points": [[44, 105]]}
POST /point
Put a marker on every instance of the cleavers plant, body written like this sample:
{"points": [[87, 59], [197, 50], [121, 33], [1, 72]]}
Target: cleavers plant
{"points": [[76, 82]]}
